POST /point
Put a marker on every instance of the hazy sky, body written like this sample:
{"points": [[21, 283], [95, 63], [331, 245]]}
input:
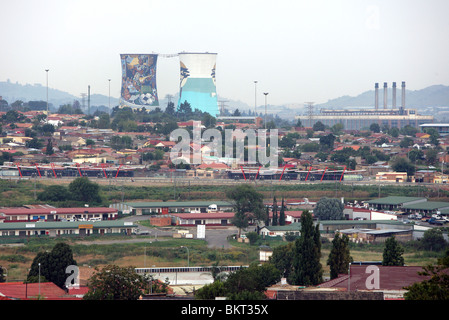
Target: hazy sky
{"points": [[298, 51]]}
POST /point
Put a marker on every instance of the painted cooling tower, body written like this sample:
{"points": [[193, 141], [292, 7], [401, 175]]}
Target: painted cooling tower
{"points": [[139, 80], [197, 85]]}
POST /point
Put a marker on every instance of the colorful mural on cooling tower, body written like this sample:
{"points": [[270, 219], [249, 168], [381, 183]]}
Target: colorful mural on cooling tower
{"points": [[197, 85], [139, 80]]}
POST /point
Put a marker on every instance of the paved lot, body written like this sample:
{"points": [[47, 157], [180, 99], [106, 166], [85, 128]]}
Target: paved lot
{"points": [[216, 237]]}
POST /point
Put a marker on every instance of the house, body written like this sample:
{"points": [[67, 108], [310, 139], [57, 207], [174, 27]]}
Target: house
{"points": [[56, 214], [161, 207], [56, 229], [390, 280], [34, 291], [280, 231], [392, 176], [208, 219]]}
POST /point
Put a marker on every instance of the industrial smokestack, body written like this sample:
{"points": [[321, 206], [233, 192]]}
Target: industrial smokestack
{"points": [[394, 96], [403, 94], [385, 95], [376, 94], [88, 100]]}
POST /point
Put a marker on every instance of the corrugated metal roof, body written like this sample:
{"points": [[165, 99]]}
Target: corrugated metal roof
{"points": [[395, 200], [64, 225], [37, 211], [161, 204], [428, 205]]}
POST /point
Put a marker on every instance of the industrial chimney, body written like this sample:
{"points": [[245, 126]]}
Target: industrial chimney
{"points": [[394, 96], [385, 95], [403, 95], [376, 94]]}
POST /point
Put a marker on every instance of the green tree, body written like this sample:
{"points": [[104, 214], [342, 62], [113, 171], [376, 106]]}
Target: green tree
{"points": [[115, 283], [275, 212], [393, 251], [328, 209], [433, 240], [49, 150], [282, 259], [436, 287], [403, 165], [82, 189], [374, 127], [34, 143], [327, 142], [247, 203], [339, 257], [306, 263], [2, 276], [282, 214], [54, 193], [318, 126], [53, 265]]}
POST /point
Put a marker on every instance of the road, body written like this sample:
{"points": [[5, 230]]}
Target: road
{"points": [[216, 237]]}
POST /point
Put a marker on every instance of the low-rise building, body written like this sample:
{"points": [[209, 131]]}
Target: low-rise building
{"points": [[53, 229], [24, 214]]}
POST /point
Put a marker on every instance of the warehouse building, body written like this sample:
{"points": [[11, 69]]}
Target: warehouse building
{"points": [[57, 214], [162, 207], [53, 229]]}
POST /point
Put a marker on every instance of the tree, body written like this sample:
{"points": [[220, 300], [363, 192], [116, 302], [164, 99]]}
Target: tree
{"points": [[282, 259], [49, 150], [339, 257], [253, 279], [2, 276], [433, 240], [53, 265], [275, 212], [403, 165], [282, 214], [374, 127], [393, 252], [436, 287], [82, 189], [327, 142], [248, 203], [306, 262], [54, 193], [318, 126], [115, 283], [329, 209]]}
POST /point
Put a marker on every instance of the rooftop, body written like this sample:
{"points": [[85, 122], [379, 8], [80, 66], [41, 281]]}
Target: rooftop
{"points": [[162, 204], [395, 200], [64, 225]]}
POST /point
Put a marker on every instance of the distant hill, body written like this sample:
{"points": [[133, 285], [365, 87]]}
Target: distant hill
{"points": [[11, 92], [433, 96]]}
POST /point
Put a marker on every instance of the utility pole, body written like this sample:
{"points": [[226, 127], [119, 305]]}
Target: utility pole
{"points": [[265, 93], [46, 70]]}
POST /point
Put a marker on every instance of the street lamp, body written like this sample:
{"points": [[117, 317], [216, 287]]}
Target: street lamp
{"points": [[188, 256], [255, 99], [265, 93], [39, 280], [109, 93], [46, 70]]}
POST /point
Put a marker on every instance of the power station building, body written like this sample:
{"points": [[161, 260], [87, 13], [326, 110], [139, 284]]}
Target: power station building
{"points": [[359, 119], [197, 83]]}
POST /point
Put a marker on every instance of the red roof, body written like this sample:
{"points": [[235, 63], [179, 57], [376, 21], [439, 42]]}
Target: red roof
{"points": [[213, 165], [22, 291], [17, 211], [390, 278]]}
